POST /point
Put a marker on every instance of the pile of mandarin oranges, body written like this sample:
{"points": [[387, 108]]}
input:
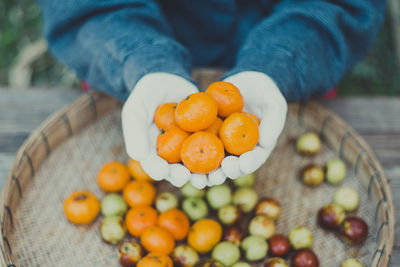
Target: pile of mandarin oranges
{"points": [[198, 130], [156, 229]]}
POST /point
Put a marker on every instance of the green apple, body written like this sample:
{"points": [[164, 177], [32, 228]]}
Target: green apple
{"points": [[255, 247], [245, 180], [188, 190], [166, 201], [113, 205], [195, 208], [226, 252], [219, 196], [245, 198]]}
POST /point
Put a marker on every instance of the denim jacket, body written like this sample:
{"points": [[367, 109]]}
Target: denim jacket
{"points": [[305, 46]]}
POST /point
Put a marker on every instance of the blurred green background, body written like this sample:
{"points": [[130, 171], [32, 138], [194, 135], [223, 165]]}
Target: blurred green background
{"points": [[24, 60]]}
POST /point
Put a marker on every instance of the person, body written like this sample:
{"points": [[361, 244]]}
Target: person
{"points": [[142, 52]]}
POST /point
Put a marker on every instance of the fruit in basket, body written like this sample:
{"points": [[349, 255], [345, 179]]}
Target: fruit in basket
{"points": [[196, 112], [276, 262], [185, 256], [241, 264], [233, 234], [229, 214], [157, 239], [176, 222], [268, 207], [139, 218], [202, 152], [226, 253], [166, 201], [188, 190], [304, 258], [245, 198], [351, 262], [155, 259], [354, 230], [212, 263], [312, 175], [129, 253], [204, 235], [308, 144], [228, 98], [347, 198], [195, 208], [113, 229], [254, 117], [254, 247], [301, 237], [335, 170], [214, 128], [169, 143], [331, 216], [219, 196], [262, 226], [137, 172], [81, 207], [164, 116], [113, 205], [139, 193], [245, 180], [239, 133], [279, 246], [113, 176]]}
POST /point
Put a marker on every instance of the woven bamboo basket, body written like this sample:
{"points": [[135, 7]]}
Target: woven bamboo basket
{"points": [[65, 152]]}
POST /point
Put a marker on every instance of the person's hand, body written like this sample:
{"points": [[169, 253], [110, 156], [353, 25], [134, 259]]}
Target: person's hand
{"points": [[139, 130], [263, 99]]}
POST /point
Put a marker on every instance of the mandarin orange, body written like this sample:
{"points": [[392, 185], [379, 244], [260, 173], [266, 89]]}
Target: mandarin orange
{"points": [[196, 112], [227, 96], [239, 133], [202, 152]]}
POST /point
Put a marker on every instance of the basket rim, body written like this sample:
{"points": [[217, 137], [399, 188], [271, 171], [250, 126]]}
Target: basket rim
{"points": [[6, 260]]}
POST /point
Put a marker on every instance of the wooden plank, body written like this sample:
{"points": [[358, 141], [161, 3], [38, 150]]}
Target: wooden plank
{"points": [[21, 112], [377, 120], [6, 159]]}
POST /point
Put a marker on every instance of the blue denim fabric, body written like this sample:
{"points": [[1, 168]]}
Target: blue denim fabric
{"points": [[306, 46]]}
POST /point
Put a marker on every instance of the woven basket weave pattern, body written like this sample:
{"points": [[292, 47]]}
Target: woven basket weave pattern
{"points": [[65, 153]]}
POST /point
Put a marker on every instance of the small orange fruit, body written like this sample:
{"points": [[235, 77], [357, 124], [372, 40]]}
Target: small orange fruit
{"points": [[176, 222], [196, 112], [137, 193], [214, 128], [113, 176], [228, 97], [81, 207], [254, 117], [155, 259], [169, 144], [202, 152], [157, 239], [164, 116], [239, 133], [139, 218], [204, 235], [137, 171]]}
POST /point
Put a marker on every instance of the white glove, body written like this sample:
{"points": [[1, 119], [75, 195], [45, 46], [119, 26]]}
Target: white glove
{"points": [[139, 130], [263, 99]]}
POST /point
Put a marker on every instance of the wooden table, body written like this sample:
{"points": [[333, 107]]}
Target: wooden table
{"points": [[376, 119]]}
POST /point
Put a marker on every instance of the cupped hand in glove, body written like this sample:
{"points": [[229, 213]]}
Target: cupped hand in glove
{"points": [[140, 132], [263, 99]]}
